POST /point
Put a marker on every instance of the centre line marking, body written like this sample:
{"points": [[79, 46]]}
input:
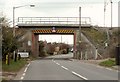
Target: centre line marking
{"points": [[57, 63], [72, 71], [79, 75], [64, 68]]}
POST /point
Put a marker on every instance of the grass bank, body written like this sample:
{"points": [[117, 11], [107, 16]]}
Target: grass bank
{"points": [[95, 36], [14, 66], [108, 63]]}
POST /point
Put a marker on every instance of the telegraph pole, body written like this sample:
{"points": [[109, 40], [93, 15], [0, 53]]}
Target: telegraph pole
{"points": [[104, 11], [79, 31], [107, 30], [111, 13]]}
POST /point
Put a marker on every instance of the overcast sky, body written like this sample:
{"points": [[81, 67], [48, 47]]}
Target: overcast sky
{"points": [[62, 8], [68, 39]]}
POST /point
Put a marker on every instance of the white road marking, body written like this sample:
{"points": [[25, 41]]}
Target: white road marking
{"points": [[21, 78], [72, 71], [25, 69], [64, 68], [52, 59], [104, 68], [99, 66], [79, 75], [23, 74], [108, 69], [57, 63], [28, 65]]}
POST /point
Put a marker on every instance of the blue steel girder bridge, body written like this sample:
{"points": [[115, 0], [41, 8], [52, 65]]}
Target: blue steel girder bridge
{"points": [[45, 25]]}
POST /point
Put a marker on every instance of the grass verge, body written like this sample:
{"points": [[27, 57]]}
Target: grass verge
{"points": [[95, 36], [14, 66], [108, 63]]}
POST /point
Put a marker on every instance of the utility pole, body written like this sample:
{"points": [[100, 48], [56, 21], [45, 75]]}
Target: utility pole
{"points": [[104, 11], [61, 44], [79, 31], [105, 6], [111, 13], [13, 21], [61, 38], [107, 30], [110, 30]]}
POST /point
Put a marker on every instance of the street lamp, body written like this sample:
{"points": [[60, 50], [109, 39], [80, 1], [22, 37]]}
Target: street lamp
{"points": [[14, 16], [14, 22]]}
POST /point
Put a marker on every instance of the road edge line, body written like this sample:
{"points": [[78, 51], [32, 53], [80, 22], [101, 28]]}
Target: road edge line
{"points": [[22, 78]]}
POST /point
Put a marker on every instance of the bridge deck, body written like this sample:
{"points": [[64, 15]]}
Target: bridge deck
{"points": [[53, 21]]}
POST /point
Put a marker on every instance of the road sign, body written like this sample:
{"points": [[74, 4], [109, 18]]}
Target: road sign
{"points": [[23, 54], [29, 43], [53, 29]]}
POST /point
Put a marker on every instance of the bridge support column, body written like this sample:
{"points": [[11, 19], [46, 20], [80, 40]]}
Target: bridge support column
{"points": [[74, 49], [35, 45]]}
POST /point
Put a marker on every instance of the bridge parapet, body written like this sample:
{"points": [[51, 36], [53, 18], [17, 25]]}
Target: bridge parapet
{"points": [[85, 21]]}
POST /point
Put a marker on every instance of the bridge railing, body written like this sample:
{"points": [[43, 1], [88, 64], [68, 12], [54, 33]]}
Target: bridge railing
{"points": [[53, 20]]}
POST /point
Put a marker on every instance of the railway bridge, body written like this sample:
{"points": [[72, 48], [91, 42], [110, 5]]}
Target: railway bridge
{"points": [[36, 26]]}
